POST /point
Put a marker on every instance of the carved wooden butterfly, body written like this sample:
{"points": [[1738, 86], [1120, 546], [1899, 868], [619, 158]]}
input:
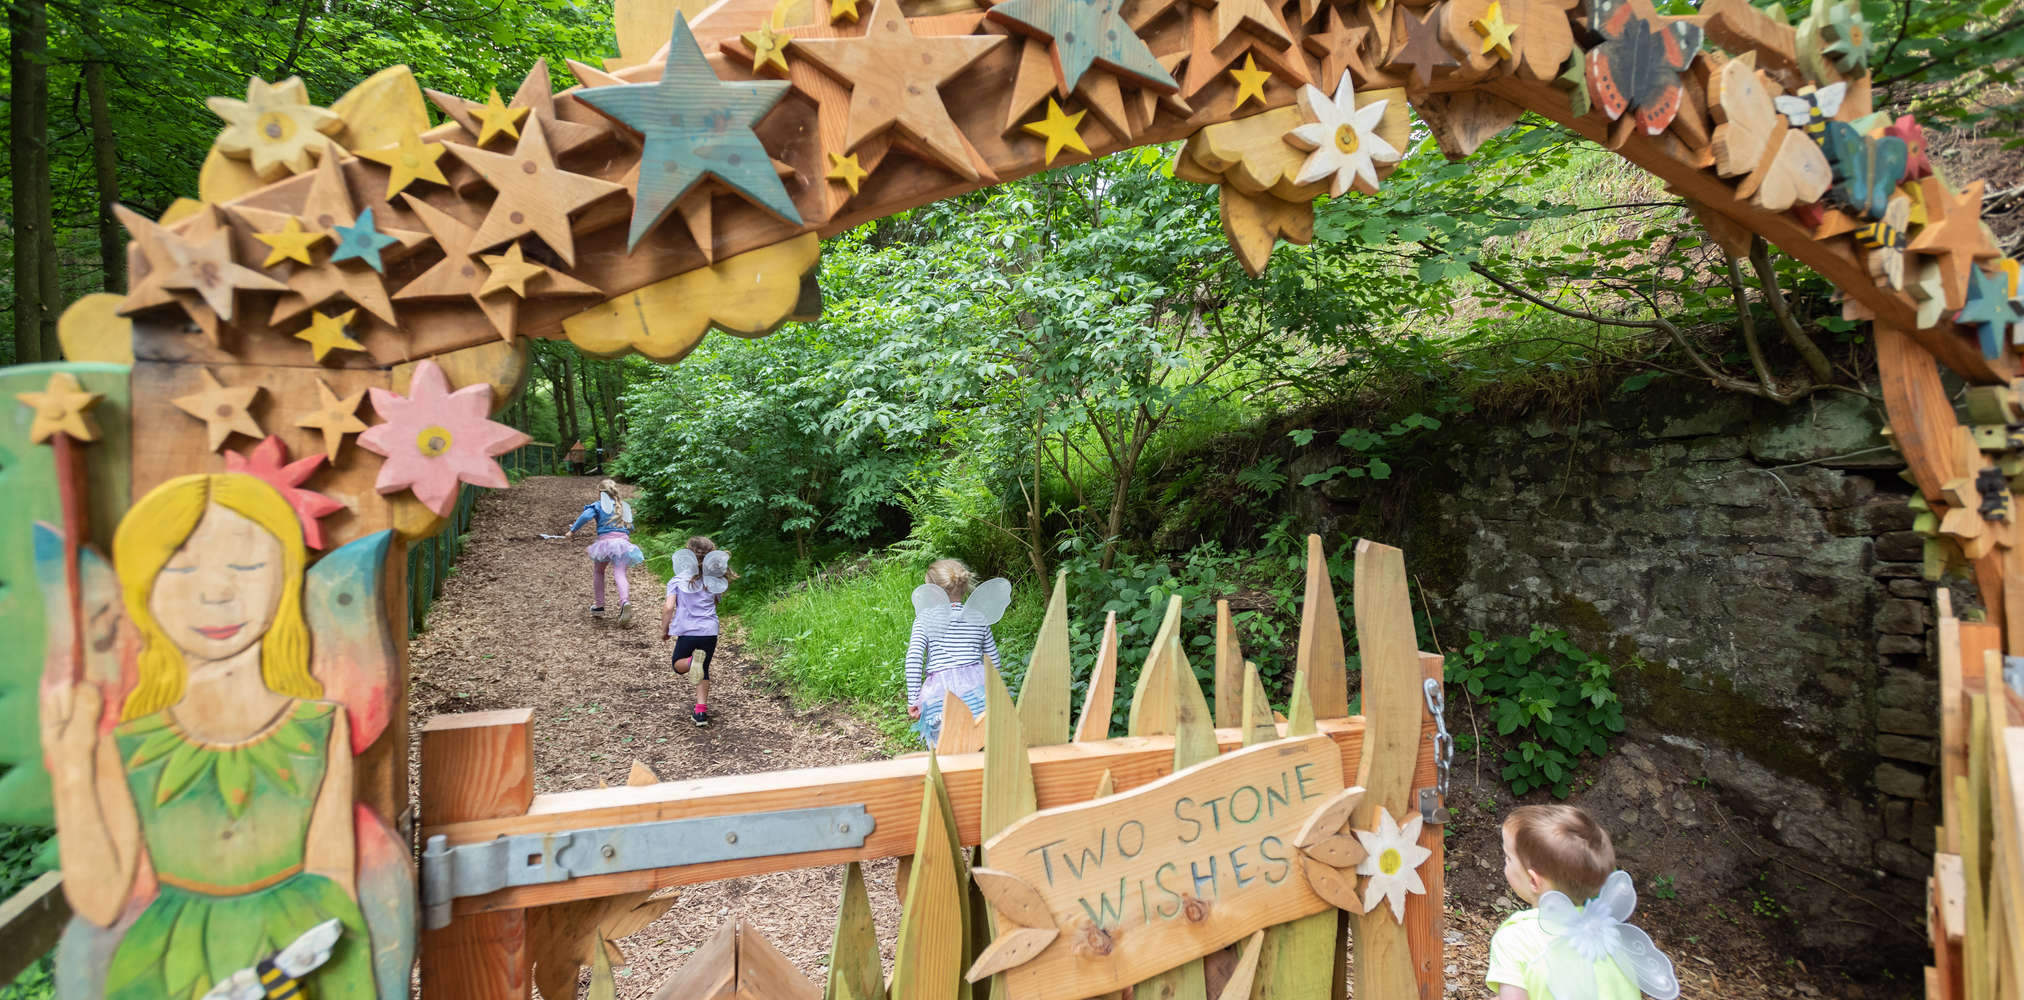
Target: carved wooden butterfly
{"points": [[1812, 108], [1638, 65], [1867, 169]]}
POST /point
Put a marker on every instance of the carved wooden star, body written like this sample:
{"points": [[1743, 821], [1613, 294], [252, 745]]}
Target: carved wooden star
{"points": [[769, 48], [1495, 31], [694, 125], [536, 96], [496, 119], [275, 128], [335, 417], [1260, 16], [204, 265], [910, 103], [327, 206], [1103, 98], [62, 407], [1033, 81], [533, 194], [1250, 82], [361, 241], [1340, 48], [222, 409], [846, 169], [409, 161], [328, 333], [291, 243], [462, 273], [1083, 33], [1060, 131], [843, 10], [1990, 310], [1423, 51], [1954, 234], [509, 270]]}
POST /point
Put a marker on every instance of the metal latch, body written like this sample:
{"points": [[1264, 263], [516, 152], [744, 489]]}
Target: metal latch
{"points": [[1431, 809], [541, 858]]}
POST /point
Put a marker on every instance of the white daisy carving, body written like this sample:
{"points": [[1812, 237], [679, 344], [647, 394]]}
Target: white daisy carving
{"points": [[1392, 859], [1343, 137]]}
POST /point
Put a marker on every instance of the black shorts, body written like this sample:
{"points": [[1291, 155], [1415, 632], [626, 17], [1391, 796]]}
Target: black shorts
{"points": [[704, 644]]}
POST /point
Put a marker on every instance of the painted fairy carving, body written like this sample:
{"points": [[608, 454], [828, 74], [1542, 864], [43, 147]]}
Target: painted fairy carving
{"points": [[206, 819]]}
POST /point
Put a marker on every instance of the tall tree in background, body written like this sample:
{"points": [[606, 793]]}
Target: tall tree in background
{"points": [[105, 163], [35, 277]]}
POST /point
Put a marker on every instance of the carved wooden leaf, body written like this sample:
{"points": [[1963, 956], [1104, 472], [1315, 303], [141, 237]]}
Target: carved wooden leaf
{"points": [[1013, 948], [1012, 898], [1339, 851], [1329, 820], [1337, 887]]}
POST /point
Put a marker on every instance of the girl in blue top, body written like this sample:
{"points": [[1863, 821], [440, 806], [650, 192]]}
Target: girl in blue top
{"points": [[614, 546]]}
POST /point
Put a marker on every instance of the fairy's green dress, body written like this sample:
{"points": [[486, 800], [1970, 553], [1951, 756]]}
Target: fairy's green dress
{"points": [[226, 828]]}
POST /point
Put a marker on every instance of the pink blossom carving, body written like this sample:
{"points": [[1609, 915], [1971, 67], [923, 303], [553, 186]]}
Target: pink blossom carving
{"points": [[434, 439], [269, 461]]}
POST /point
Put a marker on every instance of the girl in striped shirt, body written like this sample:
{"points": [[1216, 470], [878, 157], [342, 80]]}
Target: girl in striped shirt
{"points": [[946, 653]]}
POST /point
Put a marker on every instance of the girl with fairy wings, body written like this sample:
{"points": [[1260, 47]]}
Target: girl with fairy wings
{"points": [[951, 645], [209, 822]]}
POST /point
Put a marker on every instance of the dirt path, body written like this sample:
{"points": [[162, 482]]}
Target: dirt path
{"points": [[513, 630]]}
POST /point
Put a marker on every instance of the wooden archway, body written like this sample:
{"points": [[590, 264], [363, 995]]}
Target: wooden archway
{"points": [[352, 251]]}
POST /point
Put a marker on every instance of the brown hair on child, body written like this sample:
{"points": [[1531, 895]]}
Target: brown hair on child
{"points": [[1565, 846]]}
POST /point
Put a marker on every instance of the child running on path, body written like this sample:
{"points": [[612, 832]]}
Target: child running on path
{"points": [[613, 547], [951, 642], [702, 574], [1553, 856]]}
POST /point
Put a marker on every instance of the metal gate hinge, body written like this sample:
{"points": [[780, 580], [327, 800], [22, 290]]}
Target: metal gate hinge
{"points": [[541, 858]]}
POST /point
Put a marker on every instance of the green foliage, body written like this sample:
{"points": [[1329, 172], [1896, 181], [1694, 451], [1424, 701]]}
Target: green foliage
{"points": [[23, 856], [1546, 691], [1662, 887]]}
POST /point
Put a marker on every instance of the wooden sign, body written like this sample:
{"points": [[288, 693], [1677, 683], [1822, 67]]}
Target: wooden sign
{"points": [[1095, 897]]}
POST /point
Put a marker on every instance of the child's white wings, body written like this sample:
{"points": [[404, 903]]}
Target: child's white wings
{"points": [[605, 504], [934, 614], [715, 566], [625, 512], [686, 566], [1583, 937]]}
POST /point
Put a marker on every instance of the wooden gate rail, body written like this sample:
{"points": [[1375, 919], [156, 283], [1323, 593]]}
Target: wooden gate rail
{"points": [[890, 789]]}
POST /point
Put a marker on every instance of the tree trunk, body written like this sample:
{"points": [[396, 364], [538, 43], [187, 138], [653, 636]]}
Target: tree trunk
{"points": [[1033, 546], [28, 125], [104, 157], [608, 378], [592, 403], [1120, 494], [568, 397]]}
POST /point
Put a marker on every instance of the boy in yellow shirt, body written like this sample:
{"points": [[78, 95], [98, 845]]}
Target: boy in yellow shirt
{"points": [[1561, 950]]}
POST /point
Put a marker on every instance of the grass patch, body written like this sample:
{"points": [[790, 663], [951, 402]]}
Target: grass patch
{"points": [[842, 637]]}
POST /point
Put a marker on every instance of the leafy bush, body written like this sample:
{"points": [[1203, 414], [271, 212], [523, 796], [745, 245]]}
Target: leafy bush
{"points": [[1540, 685]]}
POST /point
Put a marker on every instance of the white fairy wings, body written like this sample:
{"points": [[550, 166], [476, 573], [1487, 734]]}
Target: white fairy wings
{"points": [[933, 613], [1582, 937], [607, 504], [712, 570]]}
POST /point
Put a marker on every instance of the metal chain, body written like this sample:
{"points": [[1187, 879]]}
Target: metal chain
{"points": [[1444, 744]]}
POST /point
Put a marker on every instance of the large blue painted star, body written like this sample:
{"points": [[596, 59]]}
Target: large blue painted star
{"points": [[1990, 309], [694, 125], [1085, 32], [361, 241]]}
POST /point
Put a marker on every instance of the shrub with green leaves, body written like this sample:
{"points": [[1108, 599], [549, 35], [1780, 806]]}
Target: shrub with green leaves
{"points": [[1553, 695]]}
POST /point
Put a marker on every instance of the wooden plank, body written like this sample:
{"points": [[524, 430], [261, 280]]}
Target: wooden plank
{"points": [[30, 922], [1921, 414], [1977, 967], [478, 766], [709, 974], [1044, 697], [1950, 890], [1152, 698], [1062, 774], [1194, 743], [1299, 958], [1392, 708], [1257, 723], [855, 972], [961, 731], [928, 957], [1424, 914], [1229, 671], [1320, 655], [1008, 769], [1096, 702], [1953, 715]]}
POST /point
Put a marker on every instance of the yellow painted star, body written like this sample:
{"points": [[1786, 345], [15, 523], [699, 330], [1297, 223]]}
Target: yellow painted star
{"points": [[769, 47], [1917, 193], [842, 10], [509, 270], [327, 333], [495, 118], [291, 243], [62, 407], [409, 161], [1495, 30], [1250, 81], [847, 170], [1059, 129]]}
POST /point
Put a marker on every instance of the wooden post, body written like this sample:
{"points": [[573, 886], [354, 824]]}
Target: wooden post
{"points": [[477, 765], [1423, 913]]}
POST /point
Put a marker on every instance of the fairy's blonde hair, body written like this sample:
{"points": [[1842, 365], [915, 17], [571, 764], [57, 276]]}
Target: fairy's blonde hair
{"points": [[952, 576], [150, 535]]}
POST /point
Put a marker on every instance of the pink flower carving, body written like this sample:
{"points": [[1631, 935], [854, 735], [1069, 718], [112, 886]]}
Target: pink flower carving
{"points": [[269, 461], [434, 439]]}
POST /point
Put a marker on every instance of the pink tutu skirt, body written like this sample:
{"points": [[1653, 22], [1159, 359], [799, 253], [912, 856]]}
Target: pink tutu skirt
{"points": [[617, 549]]}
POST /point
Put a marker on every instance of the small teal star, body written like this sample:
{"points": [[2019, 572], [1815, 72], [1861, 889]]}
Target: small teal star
{"points": [[1086, 32], [1990, 309], [362, 241]]}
